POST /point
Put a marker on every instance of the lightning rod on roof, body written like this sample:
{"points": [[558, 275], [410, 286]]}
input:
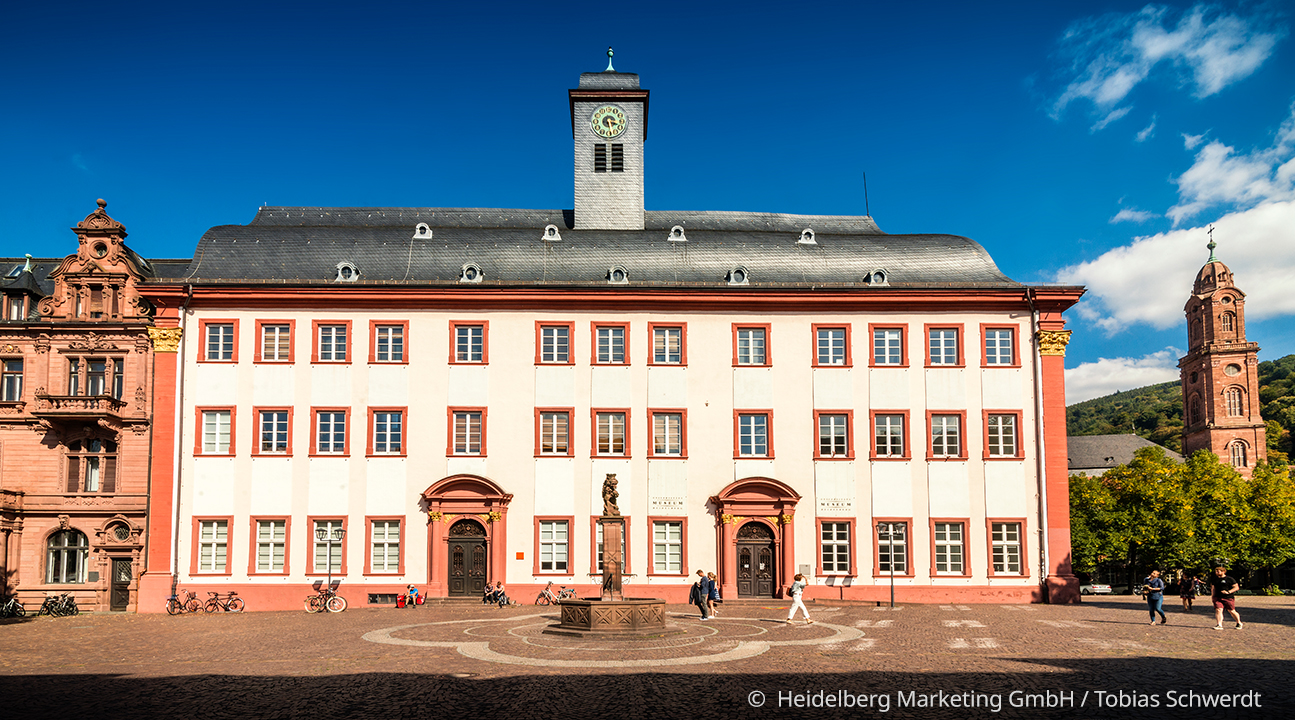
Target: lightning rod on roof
{"points": [[866, 210]]}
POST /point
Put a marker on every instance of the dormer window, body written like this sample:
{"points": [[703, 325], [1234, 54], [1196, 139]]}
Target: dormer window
{"points": [[617, 275], [676, 234], [470, 273], [422, 231], [17, 307], [878, 278], [738, 276], [346, 272], [551, 234], [807, 237]]}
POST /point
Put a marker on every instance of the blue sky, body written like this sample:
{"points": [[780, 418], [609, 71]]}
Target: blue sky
{"points": [[1079, 142]]}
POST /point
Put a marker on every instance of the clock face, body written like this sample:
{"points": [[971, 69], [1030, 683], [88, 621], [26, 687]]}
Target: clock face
{"points": [[608, 121]]}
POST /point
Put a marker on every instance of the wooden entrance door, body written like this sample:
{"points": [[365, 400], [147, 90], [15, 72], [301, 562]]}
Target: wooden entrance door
{"points": [[467, 559], [756, 577], [119, 589]]}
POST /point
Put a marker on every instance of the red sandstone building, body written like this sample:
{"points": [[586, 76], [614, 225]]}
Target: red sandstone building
{"points": [[75, 420]]}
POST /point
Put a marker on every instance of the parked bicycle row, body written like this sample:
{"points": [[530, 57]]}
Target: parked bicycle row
{"points": [[186, 601], [55, 605]]}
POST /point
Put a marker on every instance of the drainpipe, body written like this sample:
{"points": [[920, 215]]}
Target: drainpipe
{"points": [[1040, 458]]}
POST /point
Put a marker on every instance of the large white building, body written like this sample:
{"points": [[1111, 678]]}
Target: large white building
{"points": [[773, 393]]}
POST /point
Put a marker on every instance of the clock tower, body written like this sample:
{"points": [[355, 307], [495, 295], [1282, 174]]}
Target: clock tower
{"points": [[1220, 373], [608, 127]]}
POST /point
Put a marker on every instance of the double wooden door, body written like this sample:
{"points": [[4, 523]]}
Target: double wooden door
{"points": [[756, 573], [467, 559]]}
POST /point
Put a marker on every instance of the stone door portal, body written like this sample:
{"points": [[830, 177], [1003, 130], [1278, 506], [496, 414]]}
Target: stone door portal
{"points": [[119, 590], [756, 576], [467, 559]]}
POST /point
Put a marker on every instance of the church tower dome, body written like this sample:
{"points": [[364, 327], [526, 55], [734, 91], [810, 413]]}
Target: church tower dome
{"points": [[1220, 373]]}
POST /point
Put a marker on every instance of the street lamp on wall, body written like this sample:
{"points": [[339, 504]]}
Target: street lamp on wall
{"points": [[325, 535]]}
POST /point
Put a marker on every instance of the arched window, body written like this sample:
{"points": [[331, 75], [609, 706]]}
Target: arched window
{"points": [[65, 562], [92, 466], [1197, 333], [1233, 400], [1195, 411], [1237, 454], [1227, 322]]}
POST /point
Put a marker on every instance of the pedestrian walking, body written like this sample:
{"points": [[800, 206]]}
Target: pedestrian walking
{"points": [[700, 595], [797, 588], [1223, 592], [713, 599], [1187, 590], [1154, 588]]}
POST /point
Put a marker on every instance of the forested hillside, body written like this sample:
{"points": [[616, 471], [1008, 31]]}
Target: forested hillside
{"points": [[1155, 412]]}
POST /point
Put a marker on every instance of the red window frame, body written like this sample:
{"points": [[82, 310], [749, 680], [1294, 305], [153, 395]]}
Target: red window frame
{"points": [[652, 520], [252, 545], [485, 341], [373, 342], [989, 547], [368, 545], [903, 344], [593, 339], [202, 336], [593, 435], [593, 545], [310, 540], [449, 441], [1016, 345], [314, 431], [571, 434], [849, 436], [539, 342], [872, 436], [1020, 447], [849, 344], [961, 340], [737, 434], [315, 325], [966, 546], [256, 430], [197, 521], [876, 547], [854, 544], [768, 349], [571, 532], [404, 432], [258, 353], [963, 441], [683, 343], [683, 432], [199, 430]]}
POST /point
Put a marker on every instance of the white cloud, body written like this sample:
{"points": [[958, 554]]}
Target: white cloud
{"points": [[1108, 56], [1109, 375], [1191, 141], [1148, 280], [1114, 115], [1133, 215], [1220, 175], [1147, 131]]}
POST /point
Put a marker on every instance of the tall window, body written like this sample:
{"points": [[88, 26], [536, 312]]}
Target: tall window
{"points": [[611, 344], [388, 432], [835, 546], [11, 380], [96, 376], [554, 433], [999, 347], [215, 431], [831, 346], [74, 376], [943, 346], [220, 342], [667, 433], [887, 346], [332, 343], [667, 547], [271, 545], [892, 547], [555, 343], [328, 555], [1194, 409], [946, 436], [1005, 539], [467, 432], [889, 435], [384, 553], [274, 431], [1000, 435], [389, 343], [1237, 454], [833, 435], [469, 343], [753, 435], [553, 546], [948, 549], [667, 345], [751, 346], [1232, 401], [276, 343], [66, 558], [1227, 322], [330, 437], [17, 307], [213, 542], [611, 433], [91, 466]]}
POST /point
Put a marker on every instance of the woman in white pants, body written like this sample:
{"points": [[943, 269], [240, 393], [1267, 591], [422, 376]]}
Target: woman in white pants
{"points": [[797, 588]]}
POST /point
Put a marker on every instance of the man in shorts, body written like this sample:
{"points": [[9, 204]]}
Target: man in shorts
{"points": [[1223, 592]]}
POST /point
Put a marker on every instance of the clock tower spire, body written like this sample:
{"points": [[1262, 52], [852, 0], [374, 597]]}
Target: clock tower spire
{"points": [[608, 127]]}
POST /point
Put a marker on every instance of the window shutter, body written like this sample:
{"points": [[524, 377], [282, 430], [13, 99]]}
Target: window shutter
{"points": [[109, 480], [73, 474]]}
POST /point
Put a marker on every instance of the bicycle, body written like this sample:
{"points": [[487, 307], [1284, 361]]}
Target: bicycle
{"points": [[59, 605], [548, 597], [231, 602], [12, 608], [326, 599], [175, 605]]}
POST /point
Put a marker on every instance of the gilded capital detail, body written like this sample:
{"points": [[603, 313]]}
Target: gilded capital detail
{"points": [[165, 340], [433, 516], [1053, 342]]}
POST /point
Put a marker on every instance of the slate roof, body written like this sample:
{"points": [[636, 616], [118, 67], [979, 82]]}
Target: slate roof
{"points": [[303, 245], [1092, 452], [42, 267]]}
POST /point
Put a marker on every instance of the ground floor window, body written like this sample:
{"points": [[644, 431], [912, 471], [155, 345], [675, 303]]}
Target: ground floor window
{"points": [[949, 548], [271, 543], [1005, 537], [667, 547], [328, 555], [554, 536], [213, 545], [385, 550], [892, 548], [68, 552], [835, 547]]}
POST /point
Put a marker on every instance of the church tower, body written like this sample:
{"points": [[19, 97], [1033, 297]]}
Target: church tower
{"points": [[1220, 373], [608, 126]]}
